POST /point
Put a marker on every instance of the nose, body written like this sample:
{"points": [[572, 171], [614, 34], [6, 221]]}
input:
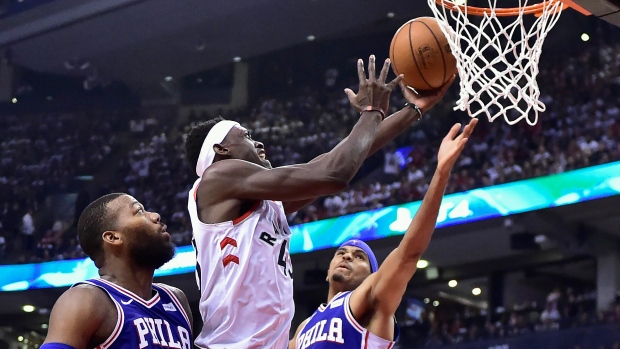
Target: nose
{"points": [[259, 145], [155, 217], [347, 256]]}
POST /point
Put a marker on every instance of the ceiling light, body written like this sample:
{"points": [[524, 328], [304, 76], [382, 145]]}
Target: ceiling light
{"points": [[476, 291], [44, 326], [310, 37], [435, 303], [452, 283], [390, 15], [14, 100], [168, 78], [20, 338], [28, 308], [237, 59], [585, 37], [422, 264], [426, 300]]}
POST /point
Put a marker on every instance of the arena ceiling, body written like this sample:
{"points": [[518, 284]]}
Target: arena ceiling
{"points": [[141, 42]]}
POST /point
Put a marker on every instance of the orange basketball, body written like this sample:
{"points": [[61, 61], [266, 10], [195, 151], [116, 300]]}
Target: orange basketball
{"points": [[421, 52]]}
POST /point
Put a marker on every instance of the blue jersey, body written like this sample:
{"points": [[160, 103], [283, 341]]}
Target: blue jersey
{"points": [[332, 326], [156, 323]]}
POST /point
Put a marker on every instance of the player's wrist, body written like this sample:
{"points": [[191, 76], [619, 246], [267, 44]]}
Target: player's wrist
{"points": [[413, 107], [371, 109]]}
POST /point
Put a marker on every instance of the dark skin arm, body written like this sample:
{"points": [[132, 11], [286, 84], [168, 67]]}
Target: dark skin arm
{"points": [[392, 127], [229, 185], [378, 297], [83, 317]]}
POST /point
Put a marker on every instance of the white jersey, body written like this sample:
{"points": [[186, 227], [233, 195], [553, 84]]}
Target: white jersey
{"points": [[245, 277]]}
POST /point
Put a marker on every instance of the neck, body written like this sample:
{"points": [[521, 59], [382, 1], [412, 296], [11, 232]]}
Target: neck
{"points": [[333, 291], [129, 277]]}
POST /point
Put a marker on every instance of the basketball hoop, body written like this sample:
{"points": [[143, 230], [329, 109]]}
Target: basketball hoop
{"points": [[498, 59]]}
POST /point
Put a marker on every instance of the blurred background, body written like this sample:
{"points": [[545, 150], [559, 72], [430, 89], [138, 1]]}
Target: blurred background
{"points": [[96, 95]]}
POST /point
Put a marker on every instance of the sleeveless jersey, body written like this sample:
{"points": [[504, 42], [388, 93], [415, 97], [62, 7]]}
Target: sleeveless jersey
{"points": [[332, 326], [156, 323], [245, 278]]}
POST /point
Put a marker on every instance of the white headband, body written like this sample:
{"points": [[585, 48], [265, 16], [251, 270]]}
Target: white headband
{"points": [[215, 136]]}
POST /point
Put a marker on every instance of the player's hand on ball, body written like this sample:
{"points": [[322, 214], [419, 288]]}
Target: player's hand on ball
{"points": [[452, 145], [372, 91], [425, 100]]}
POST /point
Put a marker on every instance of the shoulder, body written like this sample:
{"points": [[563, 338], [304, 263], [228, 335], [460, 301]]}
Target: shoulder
{"points": [[86, 295], [182, 298], [85, 304], [180, 295], [225, 168], [83, 316], [293, 342]]}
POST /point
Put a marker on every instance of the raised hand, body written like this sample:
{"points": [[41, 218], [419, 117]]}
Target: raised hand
{"points": [[372, 91], [452, 146], [425, 100]]}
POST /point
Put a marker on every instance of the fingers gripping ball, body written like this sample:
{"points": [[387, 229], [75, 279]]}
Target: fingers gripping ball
{"points": [[421, 52]]}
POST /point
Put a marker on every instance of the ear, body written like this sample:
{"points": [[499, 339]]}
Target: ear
{"points": [[112, 237], [220, 149]]}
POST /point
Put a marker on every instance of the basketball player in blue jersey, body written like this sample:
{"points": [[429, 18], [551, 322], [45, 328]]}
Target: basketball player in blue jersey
{"points": [[123, 308], [238, 208], [363, 298]]}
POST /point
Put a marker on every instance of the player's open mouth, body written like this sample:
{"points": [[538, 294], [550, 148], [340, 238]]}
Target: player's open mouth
{"points": [[262, 155], [343, 266]]}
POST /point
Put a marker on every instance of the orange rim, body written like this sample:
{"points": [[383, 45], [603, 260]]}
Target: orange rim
{"points": [[536, 9]]}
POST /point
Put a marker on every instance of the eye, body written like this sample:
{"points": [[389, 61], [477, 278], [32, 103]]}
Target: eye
{"points": [[359, 256]]}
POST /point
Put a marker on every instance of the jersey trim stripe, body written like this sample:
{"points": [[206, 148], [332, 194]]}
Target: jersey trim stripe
{"points": [[132, 295], [365, 340], [177, 303], [117, 329], [347, 312], [120, 319], [247, 214]]}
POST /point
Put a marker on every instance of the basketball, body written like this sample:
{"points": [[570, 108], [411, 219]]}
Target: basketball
{"points": [[421, 52]]}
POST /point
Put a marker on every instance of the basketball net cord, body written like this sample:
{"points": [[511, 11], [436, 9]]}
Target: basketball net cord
{"points": [[497, 63]]}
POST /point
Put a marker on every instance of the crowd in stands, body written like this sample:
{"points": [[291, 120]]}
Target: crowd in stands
{"points": [[563, 309], [43, 155]]}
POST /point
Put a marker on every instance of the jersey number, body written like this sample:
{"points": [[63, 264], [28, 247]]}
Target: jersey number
{"points": [[197, 265], [284, 256]]}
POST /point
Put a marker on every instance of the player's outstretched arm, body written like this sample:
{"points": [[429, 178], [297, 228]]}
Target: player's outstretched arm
{"points": [[382, 292], [78, 317], [390, 128], [328, 175]]}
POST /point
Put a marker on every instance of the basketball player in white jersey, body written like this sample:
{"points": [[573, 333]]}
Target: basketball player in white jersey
{"points": [[238, 209], [362, 300]]}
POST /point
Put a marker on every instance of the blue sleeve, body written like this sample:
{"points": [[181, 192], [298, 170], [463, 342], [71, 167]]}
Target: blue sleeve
{"points": [[55, 346]]}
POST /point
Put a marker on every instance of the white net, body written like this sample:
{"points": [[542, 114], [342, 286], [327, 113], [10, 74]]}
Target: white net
{"points": [[497, 59]]}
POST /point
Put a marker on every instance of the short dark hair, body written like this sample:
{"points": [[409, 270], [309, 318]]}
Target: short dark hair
{"points": [[196, 137], [94, 220]]}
